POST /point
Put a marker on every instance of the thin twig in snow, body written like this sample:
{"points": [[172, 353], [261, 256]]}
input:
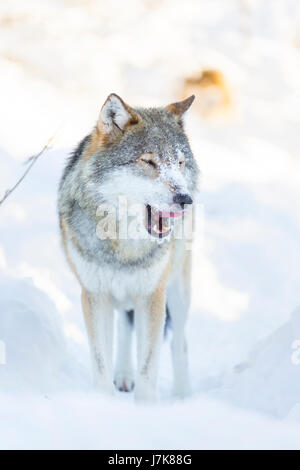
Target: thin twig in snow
{"points": [[32, 160]]}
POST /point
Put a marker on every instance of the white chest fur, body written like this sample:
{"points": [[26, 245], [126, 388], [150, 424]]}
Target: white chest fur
{"points": [[121, 284]]}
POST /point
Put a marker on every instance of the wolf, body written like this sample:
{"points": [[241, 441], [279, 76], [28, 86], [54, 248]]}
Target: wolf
{"points": [[143, 156]]}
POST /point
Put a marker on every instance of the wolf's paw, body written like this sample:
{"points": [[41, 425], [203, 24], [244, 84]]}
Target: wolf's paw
{"points": [[124, 381]]}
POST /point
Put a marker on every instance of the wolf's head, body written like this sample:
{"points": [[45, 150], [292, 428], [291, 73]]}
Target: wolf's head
{"points": [[143, 155]]}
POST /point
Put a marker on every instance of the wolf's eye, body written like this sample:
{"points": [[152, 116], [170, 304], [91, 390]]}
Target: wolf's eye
{"points": [[181, 164], [150, 162], [148, 159]]}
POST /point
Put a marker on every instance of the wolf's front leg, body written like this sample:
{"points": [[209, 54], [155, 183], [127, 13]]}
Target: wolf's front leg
{"points": [[149, 319], [98, 314]]}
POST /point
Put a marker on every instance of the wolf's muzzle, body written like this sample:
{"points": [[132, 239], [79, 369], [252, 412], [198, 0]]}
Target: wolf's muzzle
{"points": [[182, 199]]}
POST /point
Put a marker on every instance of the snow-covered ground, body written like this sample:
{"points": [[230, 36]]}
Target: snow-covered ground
{"points": [[58, 61]]}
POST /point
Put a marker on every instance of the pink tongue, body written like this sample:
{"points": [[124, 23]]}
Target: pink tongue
{"points": [[171, 214]]}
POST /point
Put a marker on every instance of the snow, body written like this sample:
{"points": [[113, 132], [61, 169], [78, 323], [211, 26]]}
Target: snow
{"points": [[58, 62], [85, 421]]}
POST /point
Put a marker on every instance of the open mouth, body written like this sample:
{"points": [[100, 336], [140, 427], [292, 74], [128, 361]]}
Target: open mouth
{"points": [[159, 223]]}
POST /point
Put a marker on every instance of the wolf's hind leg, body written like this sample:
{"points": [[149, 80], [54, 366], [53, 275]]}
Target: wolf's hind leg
{"points": [[124, 380], [178, 300], [98, 314], [178, 313]]}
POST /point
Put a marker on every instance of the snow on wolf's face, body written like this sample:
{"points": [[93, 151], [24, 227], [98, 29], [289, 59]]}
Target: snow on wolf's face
{"points": [[146, 158]]}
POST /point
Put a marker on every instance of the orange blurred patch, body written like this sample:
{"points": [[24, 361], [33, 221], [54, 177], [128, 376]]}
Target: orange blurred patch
{"points": [[213, 96]]}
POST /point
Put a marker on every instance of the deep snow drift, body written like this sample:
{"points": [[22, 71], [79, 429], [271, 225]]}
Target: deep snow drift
{"points": [[244, 327]]}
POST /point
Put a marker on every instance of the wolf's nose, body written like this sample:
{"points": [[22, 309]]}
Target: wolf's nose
{"points": [[182, 199]]}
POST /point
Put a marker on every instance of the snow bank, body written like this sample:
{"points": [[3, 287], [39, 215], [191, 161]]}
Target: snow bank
{"points": [[38, 356], [269, 380]]}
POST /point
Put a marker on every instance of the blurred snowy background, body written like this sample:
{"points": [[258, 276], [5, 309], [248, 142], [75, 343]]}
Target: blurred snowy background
{"points": [[59, 59]]}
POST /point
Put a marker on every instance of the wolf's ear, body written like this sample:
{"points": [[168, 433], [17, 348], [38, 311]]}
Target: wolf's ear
{"points": [[178, 109], [115, 115]]}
